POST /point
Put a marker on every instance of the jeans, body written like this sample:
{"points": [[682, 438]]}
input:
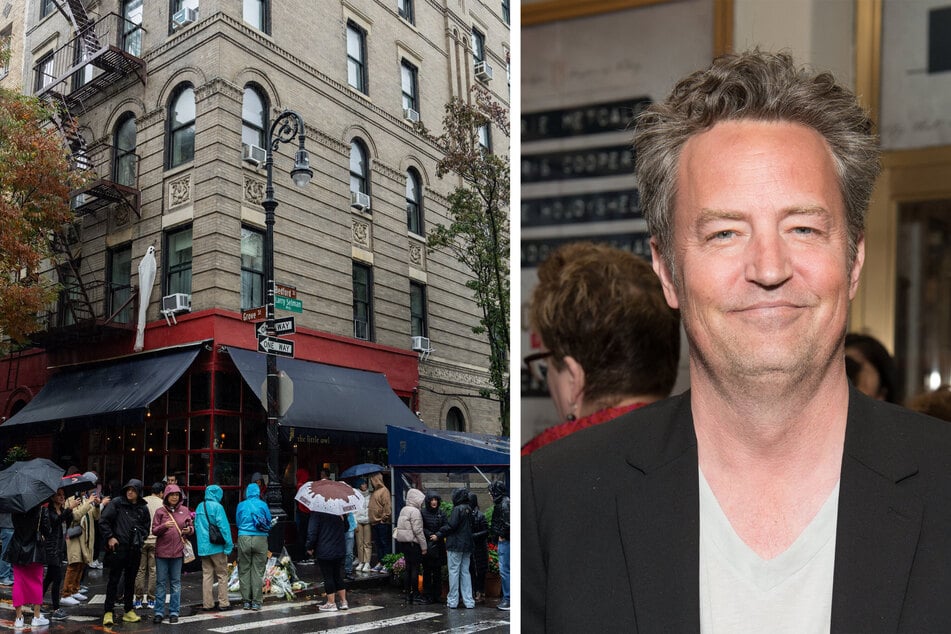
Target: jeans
{"points": [[6, 570], [168, 578], [459, 574], [348, 554], [504, 546], [382, 535]]}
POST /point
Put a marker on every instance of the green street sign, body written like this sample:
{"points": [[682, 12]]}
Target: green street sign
{"points": [[287, 303]]}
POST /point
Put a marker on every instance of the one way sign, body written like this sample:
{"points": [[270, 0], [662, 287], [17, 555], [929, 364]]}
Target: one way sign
{"points": [[282, 326], [280, 347]]}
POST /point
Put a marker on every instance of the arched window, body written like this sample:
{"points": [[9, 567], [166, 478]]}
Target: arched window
{"points": [[181, 126], [414, 208], [359, 173], [125, 168], [455, 421], [253, 117]]}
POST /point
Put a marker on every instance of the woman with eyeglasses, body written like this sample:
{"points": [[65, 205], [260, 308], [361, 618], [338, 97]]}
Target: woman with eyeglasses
{"points": [[611, 342]]}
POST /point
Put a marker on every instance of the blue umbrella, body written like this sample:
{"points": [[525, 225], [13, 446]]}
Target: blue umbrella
{"points": [[361, 469]]}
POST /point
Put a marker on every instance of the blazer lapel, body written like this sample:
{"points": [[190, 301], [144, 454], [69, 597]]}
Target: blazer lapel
{"points": [[878, 524], [658, 516]]}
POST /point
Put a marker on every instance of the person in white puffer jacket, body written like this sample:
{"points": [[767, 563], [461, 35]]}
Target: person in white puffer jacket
{"points": [[412, 542], [364, 537]]}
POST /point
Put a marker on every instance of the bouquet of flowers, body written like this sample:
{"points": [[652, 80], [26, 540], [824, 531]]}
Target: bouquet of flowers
{"points": [[394, 563], [493, 558]]}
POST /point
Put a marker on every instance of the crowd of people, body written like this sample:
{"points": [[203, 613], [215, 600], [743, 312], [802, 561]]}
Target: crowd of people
{"points": [[142, 542]]}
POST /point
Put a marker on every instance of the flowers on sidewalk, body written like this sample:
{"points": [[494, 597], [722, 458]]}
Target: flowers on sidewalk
{"points": [[280, 577], [493, 558]]}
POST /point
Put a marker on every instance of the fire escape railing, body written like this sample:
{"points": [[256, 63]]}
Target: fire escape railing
{"points": [[112, 179]]}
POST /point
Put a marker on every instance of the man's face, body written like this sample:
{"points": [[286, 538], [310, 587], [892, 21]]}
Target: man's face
{"points": [[131, 494], [761, 252], [172, 480]]}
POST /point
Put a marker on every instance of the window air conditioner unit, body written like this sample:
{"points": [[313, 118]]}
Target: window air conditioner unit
{"points": [[253, 154], [177, 303], [360, 201], [184, 16], [483, 71], [411, 115], [421, 344]]}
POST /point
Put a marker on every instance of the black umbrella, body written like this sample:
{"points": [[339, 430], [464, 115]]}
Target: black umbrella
{"points": [[29, 483], [76, 483], [361, 469]]}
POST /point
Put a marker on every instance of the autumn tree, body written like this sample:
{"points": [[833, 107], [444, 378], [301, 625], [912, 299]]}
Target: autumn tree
{"points": [[478, 231], [35, 181]]}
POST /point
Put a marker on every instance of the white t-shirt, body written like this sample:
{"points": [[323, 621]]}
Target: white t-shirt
{"points": [[741, 592]]}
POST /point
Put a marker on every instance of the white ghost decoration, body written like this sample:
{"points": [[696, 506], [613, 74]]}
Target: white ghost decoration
{"points": [[146, 282]]}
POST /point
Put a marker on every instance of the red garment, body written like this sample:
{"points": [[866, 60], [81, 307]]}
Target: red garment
{"points": [[569, 427]]}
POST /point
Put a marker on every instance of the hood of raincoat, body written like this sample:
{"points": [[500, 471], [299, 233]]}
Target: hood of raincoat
{"points": [[376, 480], [214, 493], [460, 496], [415, 498], [473, 500], [432, 495], [252, 491], [170, 489]]}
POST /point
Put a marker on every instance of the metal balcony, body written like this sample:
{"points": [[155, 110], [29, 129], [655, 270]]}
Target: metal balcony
{"points": [[86, 313], [112, 179]]}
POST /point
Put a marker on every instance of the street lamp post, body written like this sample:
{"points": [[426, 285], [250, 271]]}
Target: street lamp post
{"points": [[287, 125]]}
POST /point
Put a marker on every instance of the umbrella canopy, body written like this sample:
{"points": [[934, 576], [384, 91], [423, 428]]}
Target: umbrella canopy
{"points": [[28, 483], [329, 496], [361, 469], [76, 483]]}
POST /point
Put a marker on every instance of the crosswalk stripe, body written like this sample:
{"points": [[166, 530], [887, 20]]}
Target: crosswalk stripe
{"points": [[240, 627], [473, 627], [377, 625]]}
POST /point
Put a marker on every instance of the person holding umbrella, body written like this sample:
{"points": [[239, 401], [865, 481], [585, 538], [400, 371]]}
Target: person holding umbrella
{"points": [[124, 524], [54, 516], [380, 510], [363, 537], [329, 502]]}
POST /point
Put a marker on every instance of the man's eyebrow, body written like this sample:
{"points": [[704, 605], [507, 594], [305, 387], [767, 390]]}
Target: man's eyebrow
{"points": [[708, 215]]}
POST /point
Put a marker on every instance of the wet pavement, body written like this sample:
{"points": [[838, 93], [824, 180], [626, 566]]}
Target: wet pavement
{"points": [[375, 604]]}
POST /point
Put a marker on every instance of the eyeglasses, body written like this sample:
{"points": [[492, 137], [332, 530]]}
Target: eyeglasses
{"points": [[537, 365]]}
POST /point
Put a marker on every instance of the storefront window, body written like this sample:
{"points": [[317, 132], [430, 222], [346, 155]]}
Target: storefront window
{"points": [[201, 391], [227, 432], [198, 468], [176, 465], [178, 397], [226, 469], [228, 391], [199, 432], [176, 436]]}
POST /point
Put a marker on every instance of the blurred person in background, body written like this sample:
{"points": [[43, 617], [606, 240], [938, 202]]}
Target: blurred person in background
{"points": [[611, 342], [872, 369], [936, 403]]}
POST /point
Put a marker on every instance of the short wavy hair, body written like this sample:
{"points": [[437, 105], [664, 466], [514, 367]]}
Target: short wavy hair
{"points": [[606, 308], [758, 86]]}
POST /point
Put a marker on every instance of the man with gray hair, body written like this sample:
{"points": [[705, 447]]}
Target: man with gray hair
{"points": [[771, 496]]}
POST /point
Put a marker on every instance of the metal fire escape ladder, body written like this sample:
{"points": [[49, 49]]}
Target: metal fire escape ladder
{"points": [[76, 298]]}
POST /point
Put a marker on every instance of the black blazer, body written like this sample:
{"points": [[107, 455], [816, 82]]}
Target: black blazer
{"points": [[610, 525]]}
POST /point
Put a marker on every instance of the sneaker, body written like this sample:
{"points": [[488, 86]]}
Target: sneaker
{"points": [[365, 567], [330, 606], [84, 589], [137, 604], [18, 624], [246, 605], [69, 601], [377, 568], [344, 606], [151, 604], [504, 605], [39, 621], [79, 596], [173, 618], [224, 608], [131, 617], [59, 615], [107, 619], [6, 582], [96, 564], [255, 606], [157, 619]]}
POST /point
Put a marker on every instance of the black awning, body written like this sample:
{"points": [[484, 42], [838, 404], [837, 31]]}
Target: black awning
{"points": [[328, 397], [121, 387]]}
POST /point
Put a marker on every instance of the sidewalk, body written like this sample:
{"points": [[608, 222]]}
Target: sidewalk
{"points": [[191, 590]]}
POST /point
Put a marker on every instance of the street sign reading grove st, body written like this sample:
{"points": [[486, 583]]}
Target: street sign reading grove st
{"points": [[280, 347], [253, 314]]}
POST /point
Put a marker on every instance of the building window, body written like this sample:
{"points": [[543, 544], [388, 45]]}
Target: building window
{"points": [[408, 80], [46, 7], [418, 324], [43, 72], [125, 166], [256, 14], [253, 117], [414, 208], [362, 302], [406, 10], [356, 57], [358, 167], [120, 283], [506, 12], [485, 137], [478, 45], [6, 37], [178, 262], [252, 268], [132, 27], [455, 421], [181, 127]]}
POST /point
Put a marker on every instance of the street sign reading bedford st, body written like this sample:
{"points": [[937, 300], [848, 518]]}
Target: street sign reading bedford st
{"points": [[282, 326], [287, 303], [254, 314], [285, 290], [280, 347]]}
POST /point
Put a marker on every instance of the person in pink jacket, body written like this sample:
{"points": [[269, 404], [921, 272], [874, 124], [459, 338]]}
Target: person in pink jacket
{"points": [[171, 525]]}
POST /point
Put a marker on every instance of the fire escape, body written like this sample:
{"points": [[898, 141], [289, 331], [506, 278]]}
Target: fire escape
{"points": [[96, 62]]}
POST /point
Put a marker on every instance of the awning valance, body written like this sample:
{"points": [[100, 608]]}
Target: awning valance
{"points": [[329, 398], [444, 450], [124, 386]]}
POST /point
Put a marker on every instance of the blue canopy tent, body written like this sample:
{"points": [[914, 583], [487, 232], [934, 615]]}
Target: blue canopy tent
{"points": [[421, 456]]}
